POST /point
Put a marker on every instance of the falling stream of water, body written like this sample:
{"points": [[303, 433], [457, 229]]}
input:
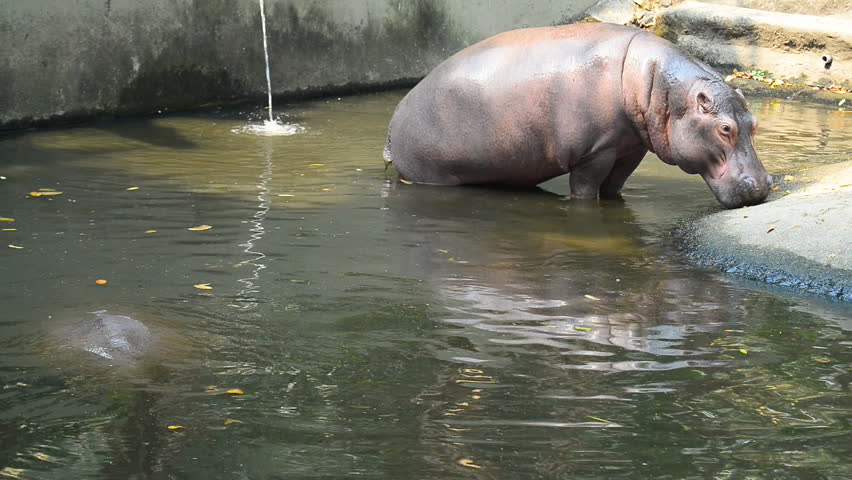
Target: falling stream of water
{"points": [[266, 57], [269, 126]]}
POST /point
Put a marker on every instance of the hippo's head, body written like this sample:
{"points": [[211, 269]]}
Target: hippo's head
{"points": [[714, 138]]}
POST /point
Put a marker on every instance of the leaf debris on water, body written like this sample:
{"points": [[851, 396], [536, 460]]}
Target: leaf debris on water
{"points": [[45, 194], [592, 297], [466, 462], [130, 189], [231, 421], [10, 229], [150, 231], [175, 427], [405, 181], [16, 247], [743, 351], [235, 391], [599, 419], [199, 228], [582, 329], [203, 286], [6, 219], [101, 281]]}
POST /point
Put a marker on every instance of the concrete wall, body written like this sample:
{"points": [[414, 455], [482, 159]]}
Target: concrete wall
{"points": [[63, 59]]}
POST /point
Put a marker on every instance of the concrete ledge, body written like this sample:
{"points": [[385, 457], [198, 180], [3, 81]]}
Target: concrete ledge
{"points": [[790, 46], [799, 240]]}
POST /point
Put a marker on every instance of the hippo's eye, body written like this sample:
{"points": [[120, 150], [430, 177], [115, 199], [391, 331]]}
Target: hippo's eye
{"points": [[726, 129]]}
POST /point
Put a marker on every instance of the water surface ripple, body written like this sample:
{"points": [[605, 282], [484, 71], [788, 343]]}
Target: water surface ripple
{"points": [[382, 330]]}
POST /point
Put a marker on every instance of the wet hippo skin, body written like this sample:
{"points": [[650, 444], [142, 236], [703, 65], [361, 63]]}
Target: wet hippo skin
{"points": [[591, 100], [118, 339]]}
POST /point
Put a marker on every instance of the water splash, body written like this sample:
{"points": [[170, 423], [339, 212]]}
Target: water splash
{"points": [[270, 128]]}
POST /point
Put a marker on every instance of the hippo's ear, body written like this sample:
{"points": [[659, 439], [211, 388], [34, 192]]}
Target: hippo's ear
{"points": [[740, 93], [705, 103]]}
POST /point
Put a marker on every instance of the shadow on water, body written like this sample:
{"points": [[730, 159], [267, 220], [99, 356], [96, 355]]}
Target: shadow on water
{"points": [[150, 133]]}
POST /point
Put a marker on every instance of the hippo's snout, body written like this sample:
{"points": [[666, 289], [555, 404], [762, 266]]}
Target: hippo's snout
{"points": [[742, 192]]}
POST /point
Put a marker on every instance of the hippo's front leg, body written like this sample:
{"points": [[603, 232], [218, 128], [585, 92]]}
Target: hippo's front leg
{"points": [[623, 168], [587, 176]]}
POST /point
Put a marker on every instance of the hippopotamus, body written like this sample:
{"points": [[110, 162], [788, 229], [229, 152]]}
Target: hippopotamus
{"points": [[117, 339], [591, 100]]}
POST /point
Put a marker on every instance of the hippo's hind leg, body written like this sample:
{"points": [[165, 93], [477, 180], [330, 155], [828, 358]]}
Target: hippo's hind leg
{"points": [[623, 168]]}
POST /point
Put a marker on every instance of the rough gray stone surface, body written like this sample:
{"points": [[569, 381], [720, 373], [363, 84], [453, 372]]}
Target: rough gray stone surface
{"points": [[613, 11], [790, 46], [61, 59], [802, 239]]}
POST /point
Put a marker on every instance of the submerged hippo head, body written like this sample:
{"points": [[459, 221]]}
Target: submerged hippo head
{"points": [[117, 338], [714, 138]]}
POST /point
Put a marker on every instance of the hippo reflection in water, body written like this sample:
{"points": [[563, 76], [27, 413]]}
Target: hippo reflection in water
{"points": [[117, 338]]}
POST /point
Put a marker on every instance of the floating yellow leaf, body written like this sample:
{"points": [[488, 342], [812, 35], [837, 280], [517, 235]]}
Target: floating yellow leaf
{"points": [[10, 229], [150, 231], [441, 250], [286, 195], [317, 164], [199, 228], [132, 189], [456, 429], [231, 421], [44, 194], [591, 297], [551, 326], [744, 351], [466, 462], [175, 427], [203, 286], [582, 329], [16, 247], [475, 397], [599, 419], [326, 189], [405, 181], [235, 391], [6, 219], [101, 281]]}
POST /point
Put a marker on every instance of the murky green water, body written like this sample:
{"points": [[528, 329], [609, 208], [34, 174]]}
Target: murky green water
{"points": [[380, 330]]}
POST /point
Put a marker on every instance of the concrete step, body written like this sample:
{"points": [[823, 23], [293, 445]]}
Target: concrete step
{"points": [[789, 46]]}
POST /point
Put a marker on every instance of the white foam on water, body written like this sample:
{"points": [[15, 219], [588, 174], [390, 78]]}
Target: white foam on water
{"points": [[270, 129]]}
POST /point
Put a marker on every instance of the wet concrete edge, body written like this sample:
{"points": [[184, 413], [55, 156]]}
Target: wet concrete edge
{"points": [[767, 265]]}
